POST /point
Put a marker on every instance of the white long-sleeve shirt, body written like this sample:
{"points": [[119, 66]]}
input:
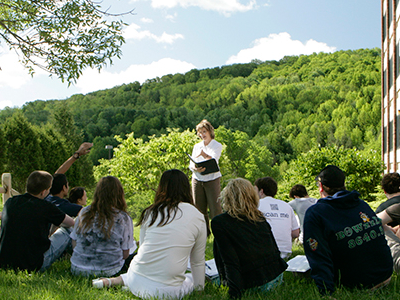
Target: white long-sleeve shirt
{"points": [[164, 250], [214, 150]]}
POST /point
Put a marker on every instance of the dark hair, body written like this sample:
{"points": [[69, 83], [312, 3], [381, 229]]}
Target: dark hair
{"points": [[391, 183], [332, 191], [59, 181], [75, 194], [173, 189], [38, 181], [268, 185], [298, 190], [108, 196]]}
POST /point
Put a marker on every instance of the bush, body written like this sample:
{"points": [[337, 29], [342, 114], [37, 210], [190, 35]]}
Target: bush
{"points": [[363, 169]]}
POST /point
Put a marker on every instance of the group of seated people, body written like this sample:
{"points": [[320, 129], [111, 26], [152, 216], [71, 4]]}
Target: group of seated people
{"points": [[343, 238]]}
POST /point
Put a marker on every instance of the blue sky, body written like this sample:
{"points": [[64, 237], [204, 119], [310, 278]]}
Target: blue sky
{"points": [[175, 36]]}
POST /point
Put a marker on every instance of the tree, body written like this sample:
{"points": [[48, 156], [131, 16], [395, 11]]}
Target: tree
{"points": [[23, 148], [363, 169], [61, 37], [243, 157], [139, 165]]}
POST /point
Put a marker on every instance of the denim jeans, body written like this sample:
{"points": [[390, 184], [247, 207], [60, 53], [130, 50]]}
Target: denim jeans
{"points": [[60, 240]]}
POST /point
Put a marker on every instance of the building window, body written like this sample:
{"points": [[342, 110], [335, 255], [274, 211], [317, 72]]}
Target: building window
{"points": [[384, 83], [390, 72], [384, 148], [397, 60], [384, 25], [398, 133], [390, 137], [390, 19]]}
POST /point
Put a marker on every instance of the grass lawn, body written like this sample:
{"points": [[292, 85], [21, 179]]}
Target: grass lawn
{"points": [[58, 283]]}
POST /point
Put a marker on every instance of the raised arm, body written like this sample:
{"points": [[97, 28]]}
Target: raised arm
{"points": [[84, 149]]}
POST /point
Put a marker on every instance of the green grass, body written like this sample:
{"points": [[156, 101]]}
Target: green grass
{"points": [[59, 283]]}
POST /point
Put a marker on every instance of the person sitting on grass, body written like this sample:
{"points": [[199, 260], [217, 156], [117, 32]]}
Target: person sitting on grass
{"points": [[391, 220], [344, 240], [103, 232], [245, 250], [172, 231], [300, 204], [60, 187], [279, 215], [391, 187], [77, 195], [24, 241]]}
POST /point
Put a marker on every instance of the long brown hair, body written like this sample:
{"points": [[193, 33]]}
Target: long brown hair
{"points": [[107, 199], [173, 189], [239, 199]]}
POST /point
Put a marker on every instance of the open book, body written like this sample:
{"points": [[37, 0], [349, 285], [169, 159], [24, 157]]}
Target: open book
{"points": [[210, 165]]}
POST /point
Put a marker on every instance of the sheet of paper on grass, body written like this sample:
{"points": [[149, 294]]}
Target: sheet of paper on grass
{"points": [[298, 264]]}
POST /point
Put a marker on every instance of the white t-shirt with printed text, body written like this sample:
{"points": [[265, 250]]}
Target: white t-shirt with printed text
{"points": [[283, 221]]}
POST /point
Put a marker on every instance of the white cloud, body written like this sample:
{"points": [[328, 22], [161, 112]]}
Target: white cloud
{"points": [[171, 17], [276, 46], [13, 74], [91, 80], [146, 20], [223, 6], [133, 32]]}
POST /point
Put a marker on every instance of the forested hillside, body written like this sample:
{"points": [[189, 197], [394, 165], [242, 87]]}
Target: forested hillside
{"points": [[288, 106]]}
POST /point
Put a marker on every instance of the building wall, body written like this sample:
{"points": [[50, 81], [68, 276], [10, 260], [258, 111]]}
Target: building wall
{"points": [[390, 85]]}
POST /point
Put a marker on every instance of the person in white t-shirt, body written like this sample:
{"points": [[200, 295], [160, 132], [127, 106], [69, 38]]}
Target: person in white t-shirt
{"points": [[172, 231], [279, 215]]}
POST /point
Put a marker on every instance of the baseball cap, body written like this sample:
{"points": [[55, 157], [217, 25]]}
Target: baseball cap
{"points": [[331, 176]]}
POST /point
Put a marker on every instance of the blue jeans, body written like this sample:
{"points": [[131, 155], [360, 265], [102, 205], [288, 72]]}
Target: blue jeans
{"points": [[60, 240]]}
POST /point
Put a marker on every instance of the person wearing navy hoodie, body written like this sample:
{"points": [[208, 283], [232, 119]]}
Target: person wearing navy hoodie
{"points": [[343, 238]]}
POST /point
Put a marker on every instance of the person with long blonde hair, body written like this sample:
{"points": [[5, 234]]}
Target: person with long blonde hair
{"points": [[103, 234], [245, 250], [172, 231]]}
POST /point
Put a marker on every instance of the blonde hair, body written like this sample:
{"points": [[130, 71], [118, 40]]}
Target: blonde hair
{"points": [[207, 126], [239, 199]]}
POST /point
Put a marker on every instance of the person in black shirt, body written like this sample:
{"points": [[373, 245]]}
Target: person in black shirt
{"points": [[245, 250], [24, 241]]}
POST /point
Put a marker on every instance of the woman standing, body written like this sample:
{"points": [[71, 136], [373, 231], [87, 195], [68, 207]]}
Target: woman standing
{"points": [[172, 230], [206, 188], [245, 250], [103, 234]]}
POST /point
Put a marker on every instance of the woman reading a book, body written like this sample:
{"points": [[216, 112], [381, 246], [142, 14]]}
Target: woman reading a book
{"points": [[172, 231], [206, 187], [245, 250]]}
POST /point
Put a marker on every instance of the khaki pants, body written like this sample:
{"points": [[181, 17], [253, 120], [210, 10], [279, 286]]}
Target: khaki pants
{"points": [[205, 194]]}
